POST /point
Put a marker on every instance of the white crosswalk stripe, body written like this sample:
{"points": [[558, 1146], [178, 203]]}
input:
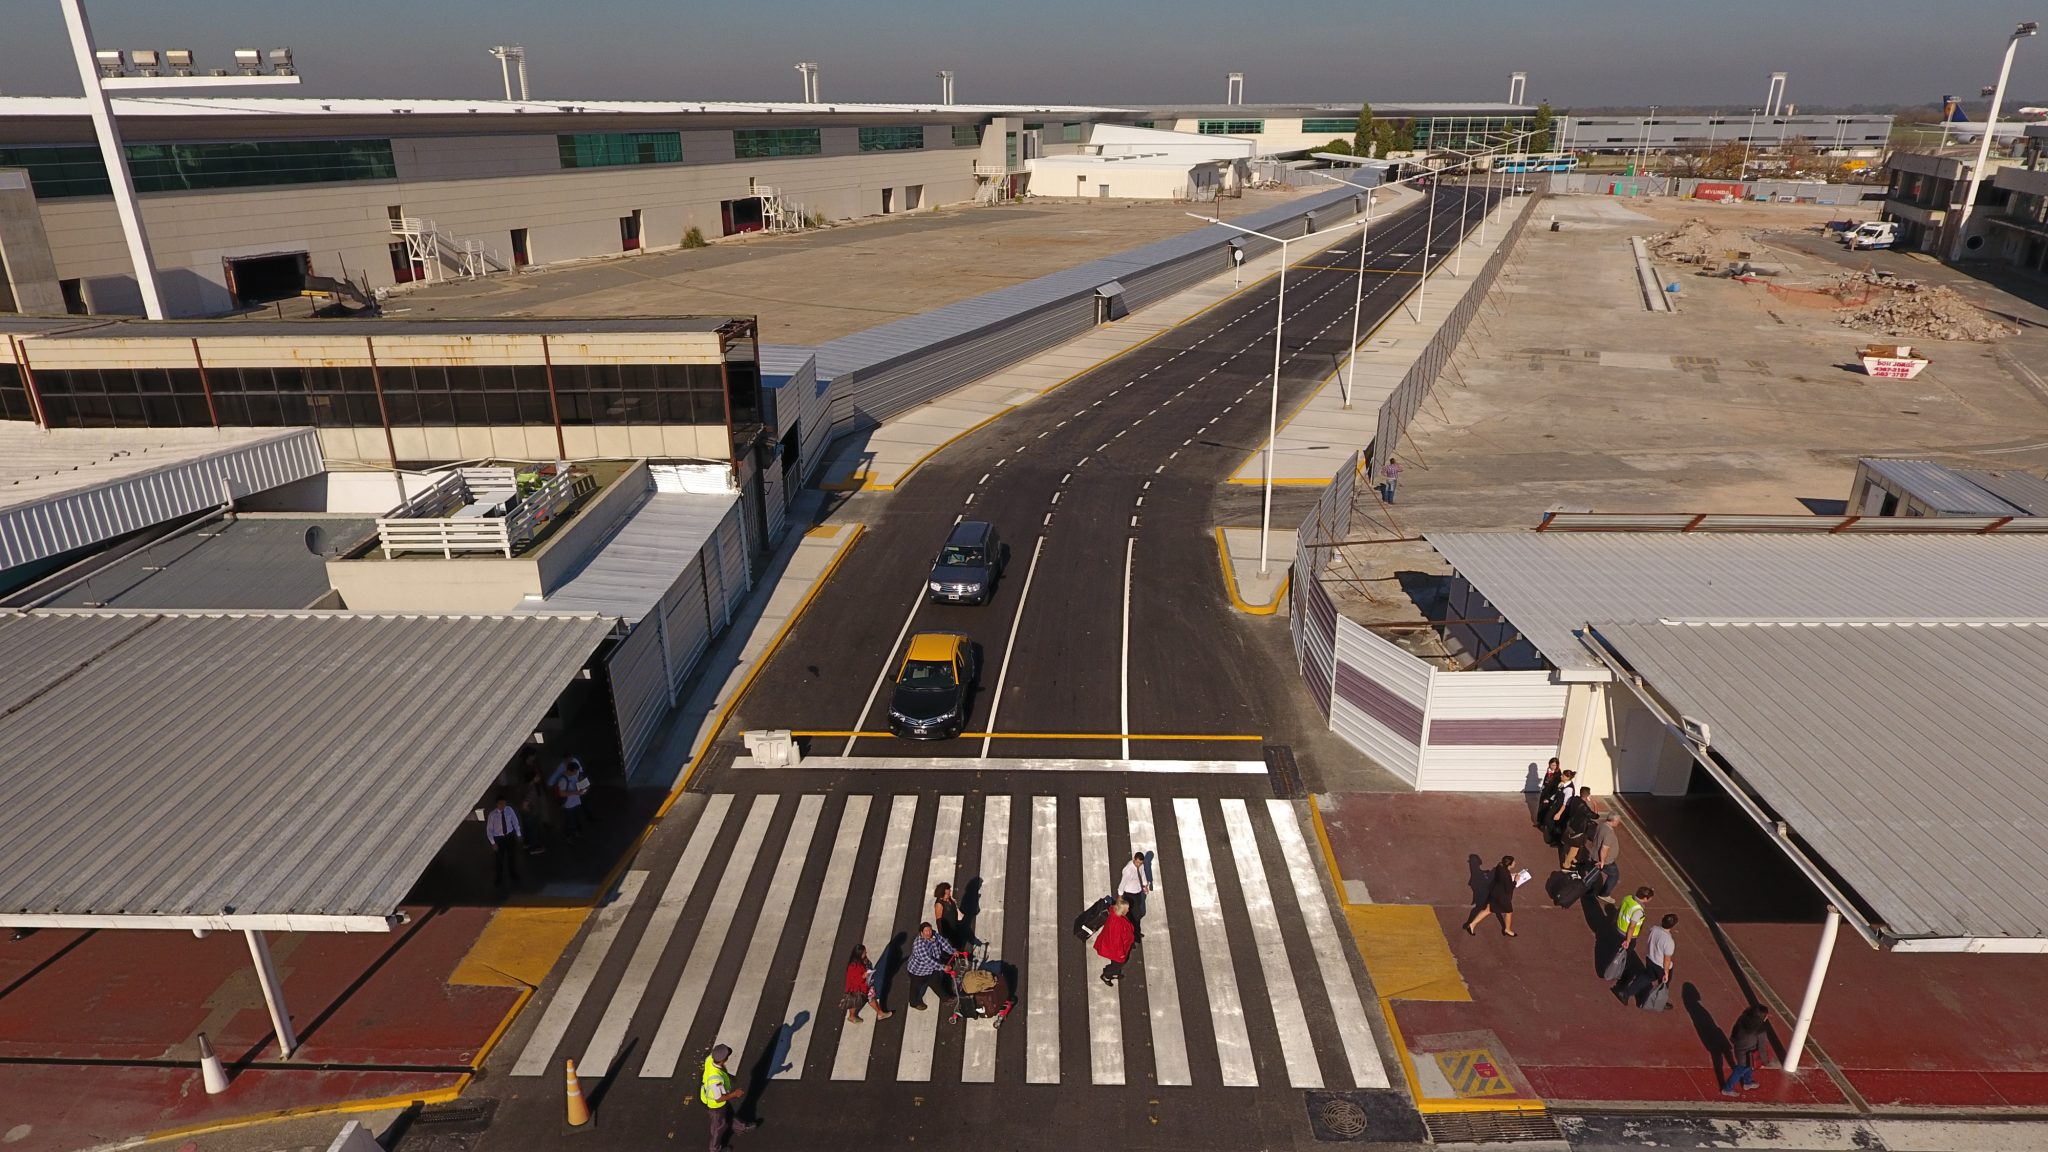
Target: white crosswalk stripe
{"points": [[1279, 1000]]}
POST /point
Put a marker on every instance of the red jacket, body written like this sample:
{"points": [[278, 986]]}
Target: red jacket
{"points": [[857, 979], [1115, 940]]}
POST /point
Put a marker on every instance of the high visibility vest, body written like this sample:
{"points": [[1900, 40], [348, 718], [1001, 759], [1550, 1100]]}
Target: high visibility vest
{"points": [[1630, 915], [717, 1082]]}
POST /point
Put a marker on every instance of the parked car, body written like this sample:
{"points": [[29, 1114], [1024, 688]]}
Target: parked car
{"points": [[1876, 234], [968, 566], [938, 674]]}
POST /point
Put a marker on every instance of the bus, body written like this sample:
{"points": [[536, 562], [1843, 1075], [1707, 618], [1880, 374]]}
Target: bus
{"points": [[1539, 162]]}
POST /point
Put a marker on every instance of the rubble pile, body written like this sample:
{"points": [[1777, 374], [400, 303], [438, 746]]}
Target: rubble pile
{"points": [[1692, 242], [1910, 310]]}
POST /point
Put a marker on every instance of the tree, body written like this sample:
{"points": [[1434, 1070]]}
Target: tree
{"points": [[1340, 146], [1361, 138], [1541, 128], [1402, 138]]}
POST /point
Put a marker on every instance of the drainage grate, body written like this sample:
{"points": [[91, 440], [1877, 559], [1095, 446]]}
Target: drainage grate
{"points": [[453, 1127], [1362, 1117], [1284, 774], [1491, 1127]]}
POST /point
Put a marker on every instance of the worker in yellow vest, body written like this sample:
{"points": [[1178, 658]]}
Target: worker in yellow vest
{"points": [[718, 1095]]}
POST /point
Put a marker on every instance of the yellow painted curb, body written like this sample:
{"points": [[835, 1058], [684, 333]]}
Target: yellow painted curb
{"points": [[1230, 585], [1405, 952], [519, 947], [725, 713], [822, 532], [1280, 481], [343, 1108], [1444, 1105], [1315, 818], [483, 1051]]}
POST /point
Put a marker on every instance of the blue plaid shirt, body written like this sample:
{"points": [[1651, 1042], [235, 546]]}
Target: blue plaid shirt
{"points": [[928, 955]]}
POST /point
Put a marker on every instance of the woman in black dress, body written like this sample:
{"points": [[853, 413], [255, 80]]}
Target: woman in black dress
{"points": [[1500, 898], [946, 914]]}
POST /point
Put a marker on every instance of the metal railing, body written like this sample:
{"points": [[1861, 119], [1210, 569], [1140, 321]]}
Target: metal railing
{"points": [[473, 529]]}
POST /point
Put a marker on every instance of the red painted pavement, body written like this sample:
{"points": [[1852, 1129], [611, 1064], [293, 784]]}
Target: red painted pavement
{"points": [[370, 998], [70, 1107]]}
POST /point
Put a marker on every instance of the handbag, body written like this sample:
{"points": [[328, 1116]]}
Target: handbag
{"points": [[1658, 999], [1618, 966]]}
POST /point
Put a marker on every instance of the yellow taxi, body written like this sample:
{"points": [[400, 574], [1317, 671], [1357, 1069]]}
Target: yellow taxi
{"points": [[938, 672]]}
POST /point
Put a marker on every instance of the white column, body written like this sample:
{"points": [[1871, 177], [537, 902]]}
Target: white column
{"points": [[273, 989], [1273, 414], [1796, 1047], [115, 156]]}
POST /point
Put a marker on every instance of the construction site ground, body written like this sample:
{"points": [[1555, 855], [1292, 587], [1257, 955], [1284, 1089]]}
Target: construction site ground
{"points": [[825, 283], [1568, 393]]}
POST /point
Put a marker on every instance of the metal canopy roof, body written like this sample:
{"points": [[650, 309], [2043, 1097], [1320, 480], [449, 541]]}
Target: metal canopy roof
{"points": [[1549, 584], [250, 562], [1905, 758], [1943, 488], [291, 772], [629, 574]]}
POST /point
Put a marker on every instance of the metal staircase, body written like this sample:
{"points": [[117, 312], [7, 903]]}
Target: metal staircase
{"points": [[443, 254]]}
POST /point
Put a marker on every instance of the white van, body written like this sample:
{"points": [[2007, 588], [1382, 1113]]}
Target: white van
{"points": [[1876, 234]]}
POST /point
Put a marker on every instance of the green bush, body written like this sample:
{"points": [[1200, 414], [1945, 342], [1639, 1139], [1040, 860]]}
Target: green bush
{"points": [[693, 237]]}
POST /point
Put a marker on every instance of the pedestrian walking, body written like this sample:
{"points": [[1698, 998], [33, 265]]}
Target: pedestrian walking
{"points": [[1628, 920], [536, 803], [1390, 479], [946, 913], [860, 986], [1606, 848], [501, 829], [1131, 888], [571, 787], [1114, 942], [1580, 817], [1651, 985], [1499, 900], [930, 966], [1547, 794], [1752, 1031], [1553, 817], [718, 1095]]}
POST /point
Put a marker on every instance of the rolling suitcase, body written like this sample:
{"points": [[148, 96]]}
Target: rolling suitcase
{"points": [[1566, 888], [1090, 921]]}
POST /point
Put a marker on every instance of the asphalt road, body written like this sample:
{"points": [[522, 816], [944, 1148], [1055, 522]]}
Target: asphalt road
{"points": [[1109, 483]]}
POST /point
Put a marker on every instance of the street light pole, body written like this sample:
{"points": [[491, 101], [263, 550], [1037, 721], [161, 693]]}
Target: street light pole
{"points": [[2024, 30], [1273, 415], [1358, 286], [1744, 174]]}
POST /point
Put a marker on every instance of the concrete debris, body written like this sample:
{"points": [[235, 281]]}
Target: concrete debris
{"points": [[1910, 310], [1692, 242]]}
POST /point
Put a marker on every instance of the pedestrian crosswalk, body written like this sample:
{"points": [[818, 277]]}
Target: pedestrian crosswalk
{"points": [[1241, 976]]}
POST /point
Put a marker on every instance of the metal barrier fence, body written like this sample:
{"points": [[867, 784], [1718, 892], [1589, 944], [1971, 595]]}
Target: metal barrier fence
{"points": [[1407, 397]]}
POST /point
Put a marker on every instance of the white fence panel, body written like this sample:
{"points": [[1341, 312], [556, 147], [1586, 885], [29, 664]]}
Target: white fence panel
{"points": [[1491, 731], [688, 621], [639, 688], [1382, 700]]}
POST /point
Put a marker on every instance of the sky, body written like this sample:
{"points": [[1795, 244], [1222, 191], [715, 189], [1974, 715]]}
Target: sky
{"points": [[1577, 52]]}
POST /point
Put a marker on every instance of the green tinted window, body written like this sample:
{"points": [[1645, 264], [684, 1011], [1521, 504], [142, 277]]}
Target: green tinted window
{"points": [[63, 171], [1142, 123], [760, 143], [1070, 133], [891, 139], [612, 149], [1230, 127], [1318, 127], [966, 135]]}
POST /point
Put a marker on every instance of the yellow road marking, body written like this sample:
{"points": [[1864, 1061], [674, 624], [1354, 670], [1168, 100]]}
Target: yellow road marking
{"points": [[518, 947], [1405, 952], [822, 532], [1230, 583]]}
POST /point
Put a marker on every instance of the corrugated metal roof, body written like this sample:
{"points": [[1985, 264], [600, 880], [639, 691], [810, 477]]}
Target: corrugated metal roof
{"points": [[886, 342], [431, 327], [250, 562], [36, 463], [2022, 490], [1942, 488], [198, 106], [1906, 756], [1550, 584], [255, 771], [630, 573]]}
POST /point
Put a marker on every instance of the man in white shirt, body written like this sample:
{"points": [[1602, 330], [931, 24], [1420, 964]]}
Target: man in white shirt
{"points": [[570, 785], [1661, 950], [501, 828], [1132, 888]]}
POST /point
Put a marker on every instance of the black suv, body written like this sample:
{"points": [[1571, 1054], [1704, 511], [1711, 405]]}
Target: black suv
{"points": [[968, 565]]}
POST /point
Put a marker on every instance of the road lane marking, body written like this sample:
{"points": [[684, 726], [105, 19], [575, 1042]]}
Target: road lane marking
{"points": [[1067, 477], [978, 1046], [851, 1061], [1226, 1011], [666, 1048], [1346, 1009], [921, 1029], [1162, 984], [668, 911], [984, 477], [1010, 646], [743, 1003], [1105, 1015], [538, 1056], [1297, 1045], [815, 968], [1124, 677], [1056, 497], [887, 663], [1042, 990]]}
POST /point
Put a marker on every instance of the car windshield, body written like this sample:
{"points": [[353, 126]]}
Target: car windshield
{"points": [[953, 556], [926, 674]]}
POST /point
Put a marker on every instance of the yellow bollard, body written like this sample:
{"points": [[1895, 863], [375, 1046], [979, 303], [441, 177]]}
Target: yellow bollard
{"points": [[579, 1111]]}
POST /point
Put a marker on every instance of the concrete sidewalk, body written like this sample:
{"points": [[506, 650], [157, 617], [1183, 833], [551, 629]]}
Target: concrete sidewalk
{"points": [[882, 458], [1316, 437]]}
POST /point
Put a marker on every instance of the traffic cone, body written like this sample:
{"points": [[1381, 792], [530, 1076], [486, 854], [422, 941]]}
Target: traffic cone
{"points": [[579, 1111], [216, 1077]]}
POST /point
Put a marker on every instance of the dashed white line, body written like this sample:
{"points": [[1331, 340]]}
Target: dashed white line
{"points": [[984, 477]]}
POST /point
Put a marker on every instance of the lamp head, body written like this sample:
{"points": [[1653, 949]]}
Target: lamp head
{"points": [[2027, 28]]}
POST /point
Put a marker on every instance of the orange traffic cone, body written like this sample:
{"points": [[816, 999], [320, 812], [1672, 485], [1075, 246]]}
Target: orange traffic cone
{"points": [[579, 1111]]}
